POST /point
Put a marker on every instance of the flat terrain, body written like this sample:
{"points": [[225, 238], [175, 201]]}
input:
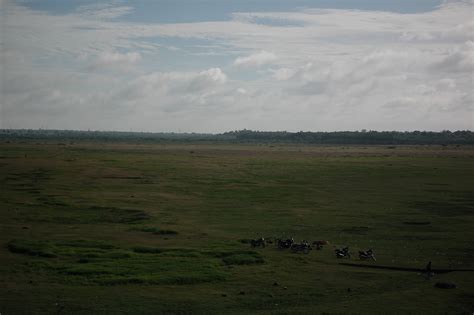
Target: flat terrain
{"points": [[131, 228]]}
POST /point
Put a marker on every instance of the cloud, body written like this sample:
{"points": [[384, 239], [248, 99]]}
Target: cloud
{"points": [[256, 60], [317, 69], [460, 59], [173, 91], [102, 11], [115, 57], [283, 74], [401, 102], [214, 74], [115, 61]]}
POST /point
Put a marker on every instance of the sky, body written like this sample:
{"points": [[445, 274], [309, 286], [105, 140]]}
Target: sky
{"points": [[212, 66]]}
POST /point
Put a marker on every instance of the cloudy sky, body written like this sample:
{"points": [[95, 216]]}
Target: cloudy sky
{"points": [[219, 65]]}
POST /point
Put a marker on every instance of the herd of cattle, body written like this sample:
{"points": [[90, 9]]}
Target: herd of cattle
{"points": [[305, 247]]}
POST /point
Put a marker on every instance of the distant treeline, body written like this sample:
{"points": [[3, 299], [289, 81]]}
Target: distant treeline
{"points": [[76, 135], [356, 137], [249, 136]]}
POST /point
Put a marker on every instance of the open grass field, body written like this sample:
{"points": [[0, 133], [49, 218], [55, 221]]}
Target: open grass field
{"points": [[130, 228]]}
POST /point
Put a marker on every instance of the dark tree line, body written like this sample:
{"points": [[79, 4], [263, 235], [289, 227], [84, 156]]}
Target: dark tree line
{"points": [[249, 136], [355, 137]]}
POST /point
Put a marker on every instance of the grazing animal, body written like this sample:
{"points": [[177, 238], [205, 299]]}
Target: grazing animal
{"points": [[260, 242], [285, 243], [303, 247], [368, 254], [343, 252]]}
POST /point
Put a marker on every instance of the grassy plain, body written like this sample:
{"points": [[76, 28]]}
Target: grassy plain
{"points": [[133, 228]]}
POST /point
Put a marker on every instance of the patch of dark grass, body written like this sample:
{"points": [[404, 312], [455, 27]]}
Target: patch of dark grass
{"points": [[243, 259], [447, 208], [147, 250], [165, 279], [26, 189], [112, 281], [79, 252], [32, 248], [181, 252], [86, 244], [194, 278], [171, 252], [71, 219], [166, 232], [87, 270], [414, 236], [87, 249], [237, 257], [51, 201], [87, 254], [90, 256], [35, 265], [91, 215], [245, 240], [226, 253], [119, 215], [417, 222], [117, 255], [122, 177], [357, 230], [155, 230]]}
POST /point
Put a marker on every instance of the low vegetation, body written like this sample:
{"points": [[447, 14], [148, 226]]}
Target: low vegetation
{"points": [[114, 227]]}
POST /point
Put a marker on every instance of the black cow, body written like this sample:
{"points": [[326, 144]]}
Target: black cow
{"points": [[285, 243]]}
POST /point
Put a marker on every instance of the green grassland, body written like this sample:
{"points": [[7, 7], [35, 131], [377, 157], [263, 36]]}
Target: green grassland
{"points": [[132, 228]]}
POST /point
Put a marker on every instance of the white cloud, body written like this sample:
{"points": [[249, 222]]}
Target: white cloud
{"points": [[115, 57], [256, 60], [215, 75], [326, 69], [283, 74], [173, 91], [115, 61]]}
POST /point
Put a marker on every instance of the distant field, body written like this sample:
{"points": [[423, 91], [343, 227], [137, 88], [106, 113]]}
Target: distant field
{"points": [[122, 228]]}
